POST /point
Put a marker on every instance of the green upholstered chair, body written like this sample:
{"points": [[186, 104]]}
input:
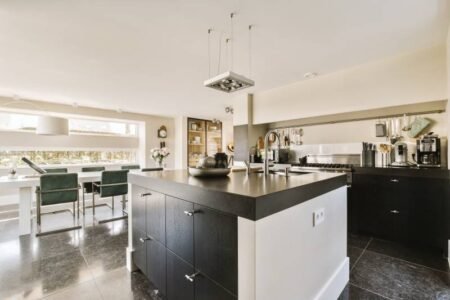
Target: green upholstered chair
{"points": [[56, 170], [113, 184], [88, 187], [57, 189], [131, 167], [152, 169]]}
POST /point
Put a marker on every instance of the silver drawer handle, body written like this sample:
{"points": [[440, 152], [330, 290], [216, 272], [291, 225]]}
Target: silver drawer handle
{"points": [[394, 211], [146, 194], [189, 213], [142, 240], [191, 278], [394, 180], [349, 186]]}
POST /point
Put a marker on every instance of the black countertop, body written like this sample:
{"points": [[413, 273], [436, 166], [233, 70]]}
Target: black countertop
{"points": [[442, 173], [252, 196]]}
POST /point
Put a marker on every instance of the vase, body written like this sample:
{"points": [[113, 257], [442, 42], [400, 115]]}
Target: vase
{"points": [[160, 164]]}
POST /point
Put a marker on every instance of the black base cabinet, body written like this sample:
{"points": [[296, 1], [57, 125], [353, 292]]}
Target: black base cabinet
{"points": [[411, 210], [186, 250]]}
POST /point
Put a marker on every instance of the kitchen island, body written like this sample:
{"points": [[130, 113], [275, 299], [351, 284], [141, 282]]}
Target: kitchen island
{"points": [[245, 236]]}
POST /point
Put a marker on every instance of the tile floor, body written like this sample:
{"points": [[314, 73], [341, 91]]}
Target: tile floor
{"points": [[90, 264]]}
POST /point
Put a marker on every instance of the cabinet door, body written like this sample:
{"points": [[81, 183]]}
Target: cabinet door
{"points": [[178, 286], [140, 252], [205, 289], [180, 228], [216, 246], [138, 207], [156, 213], [156, 264], [427, 216], [366, 198]]}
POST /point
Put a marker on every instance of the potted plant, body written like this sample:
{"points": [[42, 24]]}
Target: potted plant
{"points": [[159, 155]]}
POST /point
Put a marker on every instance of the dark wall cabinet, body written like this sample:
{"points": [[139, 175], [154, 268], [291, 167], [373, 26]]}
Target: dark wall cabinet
{"points": [[405, 209], [186, 250]]}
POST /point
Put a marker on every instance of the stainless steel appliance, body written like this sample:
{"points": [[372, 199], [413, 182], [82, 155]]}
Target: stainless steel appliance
{"points": [[401, 155], [428, 153], [342, 163]]}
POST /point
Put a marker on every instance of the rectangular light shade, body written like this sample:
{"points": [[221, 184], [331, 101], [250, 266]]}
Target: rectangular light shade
{"points": [[229, 82], [49, 125]]}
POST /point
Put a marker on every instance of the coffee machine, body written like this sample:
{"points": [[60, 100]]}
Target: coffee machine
{"points": [[401, 155], [429, 151]]}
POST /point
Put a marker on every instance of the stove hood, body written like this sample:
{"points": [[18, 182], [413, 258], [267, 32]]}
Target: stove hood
{"points": [[229, 82]]}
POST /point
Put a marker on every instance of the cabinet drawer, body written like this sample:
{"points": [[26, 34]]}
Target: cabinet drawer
{"points": [[180, 228], [140, 252], [216, 246], [156, 213], [178, 286], [205, 289], [156, 264], [138, 207]]}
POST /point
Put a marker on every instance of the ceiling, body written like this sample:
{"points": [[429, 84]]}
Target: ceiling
{"points": [[152, 56]]}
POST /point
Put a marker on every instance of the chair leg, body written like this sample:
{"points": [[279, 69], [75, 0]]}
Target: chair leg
{"points": [[84, 205], [112, 205], [93, 203], [123, 202], [38, 210], [73, 205]]}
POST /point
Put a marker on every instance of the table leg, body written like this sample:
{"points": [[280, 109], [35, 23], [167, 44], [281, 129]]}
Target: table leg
{"points": [[26, 197]]}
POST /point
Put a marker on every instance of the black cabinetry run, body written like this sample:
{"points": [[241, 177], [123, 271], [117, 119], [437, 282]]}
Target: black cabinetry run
{"points": [[408, 209]]}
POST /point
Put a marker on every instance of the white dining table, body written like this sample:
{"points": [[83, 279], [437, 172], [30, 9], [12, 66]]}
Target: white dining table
{"points": [[26, 186]]}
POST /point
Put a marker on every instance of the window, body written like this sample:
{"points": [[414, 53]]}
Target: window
{"points": [[8, 158], [13, 121], [96, 127], [24, 122]]}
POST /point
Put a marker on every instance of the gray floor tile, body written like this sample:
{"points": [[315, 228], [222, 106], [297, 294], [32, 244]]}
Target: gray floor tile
{"points": [[423, 256], [86, 291], [44, 276], [121, 284], [354, 254], [397, 279], [352, 292]]}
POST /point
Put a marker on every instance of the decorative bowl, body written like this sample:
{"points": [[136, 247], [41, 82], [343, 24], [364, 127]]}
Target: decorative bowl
{"points": [[209, 172]]}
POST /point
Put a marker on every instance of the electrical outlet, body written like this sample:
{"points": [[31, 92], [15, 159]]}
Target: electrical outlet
{"points": [[318, 216]]}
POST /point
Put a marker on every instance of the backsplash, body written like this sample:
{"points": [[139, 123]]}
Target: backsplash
{"points": [[347, 138]]}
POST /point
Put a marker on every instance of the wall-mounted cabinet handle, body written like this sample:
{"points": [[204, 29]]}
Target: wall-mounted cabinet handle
{"points": [[394, 180], [191, 278], [142, 240], [394, 211], [146, 194], [189, 213]]}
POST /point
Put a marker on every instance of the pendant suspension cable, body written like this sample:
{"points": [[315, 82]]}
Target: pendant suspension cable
{"points": [[209, 52], [220, 53], [250, 50], [227, 56], [232, 40]]}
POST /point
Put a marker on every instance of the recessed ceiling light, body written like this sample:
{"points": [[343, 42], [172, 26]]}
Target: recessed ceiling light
{"points": [[310, 75]]}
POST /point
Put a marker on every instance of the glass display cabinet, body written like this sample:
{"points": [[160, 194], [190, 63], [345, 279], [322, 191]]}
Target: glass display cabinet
{"points": [[204, 138]]}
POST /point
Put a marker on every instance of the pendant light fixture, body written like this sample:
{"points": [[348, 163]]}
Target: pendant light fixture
{"points": [[229, 81], [47, 124]]}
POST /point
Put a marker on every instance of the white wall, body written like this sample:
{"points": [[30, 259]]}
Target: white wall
{"points": [[358, 131], [148, 136], [410, 78]]}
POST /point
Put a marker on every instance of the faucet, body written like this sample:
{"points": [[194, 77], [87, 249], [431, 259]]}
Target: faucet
{"points": [[266, 149]]}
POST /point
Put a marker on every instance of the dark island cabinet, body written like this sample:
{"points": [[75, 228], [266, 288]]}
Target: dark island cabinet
{"points": [[180, 228], [405, 209], [186, 250], [216, 246]]}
